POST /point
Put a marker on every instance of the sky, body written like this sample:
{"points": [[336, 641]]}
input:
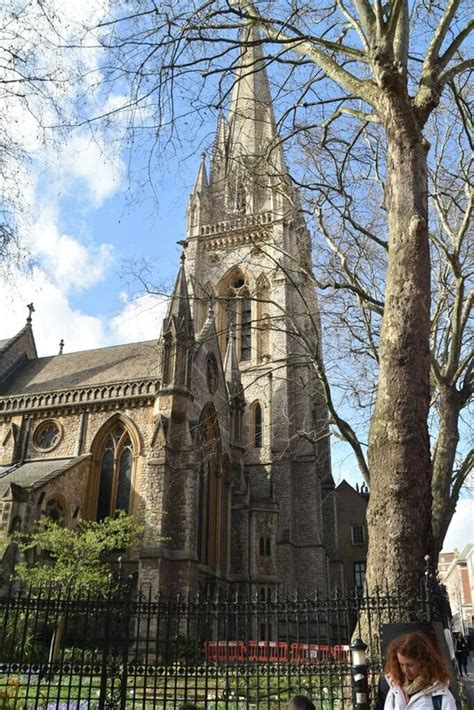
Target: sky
{"points": [[84, 224]]}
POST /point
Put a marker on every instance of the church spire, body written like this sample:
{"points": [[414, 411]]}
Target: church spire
{"points": [[247, 164], [250, 118]]}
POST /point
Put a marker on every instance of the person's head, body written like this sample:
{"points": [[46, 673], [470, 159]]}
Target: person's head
{"points": [[300, 702], [412, 655]]}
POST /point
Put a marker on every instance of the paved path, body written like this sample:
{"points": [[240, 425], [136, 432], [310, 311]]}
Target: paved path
{"points": [[468, 682]]}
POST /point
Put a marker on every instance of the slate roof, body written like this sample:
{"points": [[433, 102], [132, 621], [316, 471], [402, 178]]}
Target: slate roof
{"points": [[32, 474], [4, 343], [118, 363]]}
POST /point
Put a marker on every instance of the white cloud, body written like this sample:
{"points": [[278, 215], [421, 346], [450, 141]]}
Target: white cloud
{"points": [[88, 161], [461, 530], [140, 319], [67, 262]]}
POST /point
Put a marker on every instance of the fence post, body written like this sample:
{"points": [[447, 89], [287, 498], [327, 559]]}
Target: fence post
{"points": [[428, 579], [359, 675]]}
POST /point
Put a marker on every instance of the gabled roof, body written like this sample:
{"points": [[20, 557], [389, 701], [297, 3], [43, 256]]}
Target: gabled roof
{"points": [[25, 332], [118, 363], [32, 474]]}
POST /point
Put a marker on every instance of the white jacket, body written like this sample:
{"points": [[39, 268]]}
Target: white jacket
{"points": [[396, 699]]}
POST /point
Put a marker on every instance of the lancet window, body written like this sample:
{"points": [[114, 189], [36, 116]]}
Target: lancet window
{"points": [[213, 499], [115, 473], [257, 426], [236, 316], [263, 322]]}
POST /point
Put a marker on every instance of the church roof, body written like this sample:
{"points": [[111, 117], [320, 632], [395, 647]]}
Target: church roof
{"points": [[118, 363], [32, 474]]}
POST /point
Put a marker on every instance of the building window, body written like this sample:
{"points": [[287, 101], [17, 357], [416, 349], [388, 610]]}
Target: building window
{"points": [[257, 426], [358, 534], [359, 574], [116, 465], [265, 546], [213, 497], [263, 321], [56, 510], [236, 316], [47, 435]]}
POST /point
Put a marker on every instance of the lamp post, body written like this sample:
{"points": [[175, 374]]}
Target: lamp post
{"points": [[360, 683]]}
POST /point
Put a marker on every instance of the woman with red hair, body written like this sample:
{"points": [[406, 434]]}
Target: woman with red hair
{"points": [[417, 675]]}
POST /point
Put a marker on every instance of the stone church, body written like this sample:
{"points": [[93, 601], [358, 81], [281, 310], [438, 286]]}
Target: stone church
{"points": [[215, 433]]}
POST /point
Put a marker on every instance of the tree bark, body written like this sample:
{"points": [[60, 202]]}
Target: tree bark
{"points": [[399, 511]]}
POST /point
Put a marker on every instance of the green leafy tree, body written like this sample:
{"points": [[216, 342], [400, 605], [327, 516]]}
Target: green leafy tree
{"points": [[75, 559]]}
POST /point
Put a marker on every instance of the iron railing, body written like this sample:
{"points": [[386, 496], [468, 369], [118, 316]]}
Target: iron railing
{"points": [[132, 649]]}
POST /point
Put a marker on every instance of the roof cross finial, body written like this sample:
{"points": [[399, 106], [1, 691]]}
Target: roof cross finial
{"points": [[31, 309], [61, 346]]}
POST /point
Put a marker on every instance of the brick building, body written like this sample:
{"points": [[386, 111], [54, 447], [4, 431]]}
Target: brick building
{"points": [[352, 531], [196, 432], [456, 572]]}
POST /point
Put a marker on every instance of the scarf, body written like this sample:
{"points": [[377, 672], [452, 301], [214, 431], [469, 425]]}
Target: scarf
{"points": [[414, 686]]}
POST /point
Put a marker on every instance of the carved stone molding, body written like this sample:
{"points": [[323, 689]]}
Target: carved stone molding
{"points": [[120, 392]]}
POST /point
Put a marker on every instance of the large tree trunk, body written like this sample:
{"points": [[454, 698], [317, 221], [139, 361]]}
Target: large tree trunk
{"points": [[399, 512]]}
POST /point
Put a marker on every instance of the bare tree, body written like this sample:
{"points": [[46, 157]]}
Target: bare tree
{"points": [[351, 276], [386, 65]]}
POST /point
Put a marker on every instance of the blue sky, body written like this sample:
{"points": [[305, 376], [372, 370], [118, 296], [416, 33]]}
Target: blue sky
{"points": [[82, 222]]}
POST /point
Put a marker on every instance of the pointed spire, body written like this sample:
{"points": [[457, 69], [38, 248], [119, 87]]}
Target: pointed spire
{"points": [[231, 366], [250, 117], [202, 182], [179, 309], [219, 151], [247, 162], [208, 326]]}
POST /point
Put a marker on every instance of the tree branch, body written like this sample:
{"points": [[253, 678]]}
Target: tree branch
{"points": [[446, 76], [432, 55], [455, 44]]}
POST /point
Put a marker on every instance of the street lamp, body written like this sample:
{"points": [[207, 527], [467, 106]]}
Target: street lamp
{"points": [[360, 684]]}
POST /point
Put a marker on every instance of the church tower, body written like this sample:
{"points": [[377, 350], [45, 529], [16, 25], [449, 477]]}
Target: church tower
{"points": [[215, 435], [248, 252]]}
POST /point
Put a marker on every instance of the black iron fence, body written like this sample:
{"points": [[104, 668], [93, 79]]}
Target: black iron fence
{"points": [[134, 650]]}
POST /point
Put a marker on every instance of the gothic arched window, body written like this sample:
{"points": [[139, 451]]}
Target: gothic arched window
{"points": [[213, 498], [265, 546], [236, 316], [115, 471], [168, 359], [257, 426], [263, 321], [56, 510]]}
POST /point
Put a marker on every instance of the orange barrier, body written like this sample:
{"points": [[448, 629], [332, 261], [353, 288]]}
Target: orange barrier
{"points": [[274, 652], [341, 653]]}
